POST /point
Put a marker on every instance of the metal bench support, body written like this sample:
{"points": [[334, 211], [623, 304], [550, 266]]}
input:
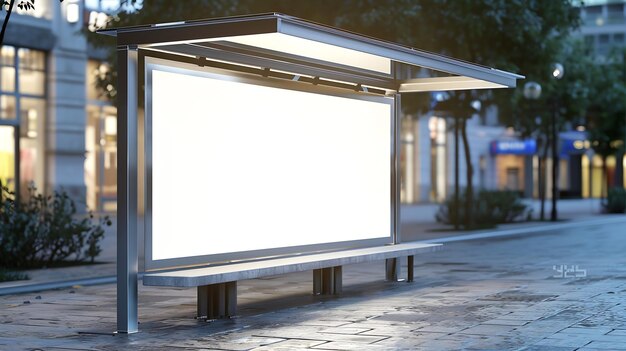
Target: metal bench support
{"points": [[327, 281], [217, 301], [393, 269]]}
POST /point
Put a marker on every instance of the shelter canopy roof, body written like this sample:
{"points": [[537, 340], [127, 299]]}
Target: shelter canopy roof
{"points": [[277, 42]]}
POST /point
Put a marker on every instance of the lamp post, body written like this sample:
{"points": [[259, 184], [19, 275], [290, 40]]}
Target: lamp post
{"points": [[557, 73], [532, 91]]}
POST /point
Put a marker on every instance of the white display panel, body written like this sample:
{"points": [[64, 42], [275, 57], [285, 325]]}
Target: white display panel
{"points": [[241, 167]]}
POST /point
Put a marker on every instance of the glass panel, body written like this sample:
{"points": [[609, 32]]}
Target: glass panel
{"points": [[7, 107], [108, 134], [8, 55], [32, 82], [8, 79], [31, 59], [95, 71], [7, 156], [31, 143], [101, 158]]}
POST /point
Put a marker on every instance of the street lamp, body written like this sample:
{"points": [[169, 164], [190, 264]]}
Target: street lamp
{"points": [[532, 91], [557, 73]]}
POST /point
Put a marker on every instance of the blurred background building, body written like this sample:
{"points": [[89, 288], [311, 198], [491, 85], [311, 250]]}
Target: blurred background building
{"points": [[58, 131]]}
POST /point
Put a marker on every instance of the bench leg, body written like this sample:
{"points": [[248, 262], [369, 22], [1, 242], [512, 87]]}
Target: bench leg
{"points": [[392, 270], [217, 301], [327, 281], [409, 268], [337, 280], [317, 282]]}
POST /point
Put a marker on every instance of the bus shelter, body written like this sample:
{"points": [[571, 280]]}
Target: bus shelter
{"points": [[224, 120]]}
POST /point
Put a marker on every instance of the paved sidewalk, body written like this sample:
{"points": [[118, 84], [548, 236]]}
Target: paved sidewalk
{"points": [[418, 223], [497, 294]]}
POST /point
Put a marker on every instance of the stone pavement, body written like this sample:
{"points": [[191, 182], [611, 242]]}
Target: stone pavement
{"points": [[418, 223], [557, 290]]}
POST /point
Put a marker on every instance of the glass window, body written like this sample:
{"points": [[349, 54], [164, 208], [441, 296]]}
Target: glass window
{"points": [[32, 82], [31, 142], [603, 38], [618, 37], [7, 76], [7, 70], [95, 72], [22, 98], [7, 107], [7, 156], [31, 71], [101, 158], [8, 55], [31, 59]]}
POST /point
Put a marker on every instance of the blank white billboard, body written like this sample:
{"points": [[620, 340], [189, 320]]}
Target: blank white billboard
{"points": [[240, 167]]}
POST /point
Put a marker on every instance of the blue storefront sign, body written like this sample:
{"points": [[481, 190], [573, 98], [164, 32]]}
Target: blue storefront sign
{"points": [[514, 147]]}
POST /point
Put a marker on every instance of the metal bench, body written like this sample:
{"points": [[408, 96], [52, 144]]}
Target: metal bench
{"points": [[217, 285]]}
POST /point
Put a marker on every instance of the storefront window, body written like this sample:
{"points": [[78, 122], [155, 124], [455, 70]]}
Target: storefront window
{"points": [[31, 71], [407, 160], [22, 88], [101, 144], [438, 156], [7, 157]]}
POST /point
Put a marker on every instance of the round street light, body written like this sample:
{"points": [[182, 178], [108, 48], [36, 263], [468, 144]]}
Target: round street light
{"points": [[532, 90], [557, 70]]}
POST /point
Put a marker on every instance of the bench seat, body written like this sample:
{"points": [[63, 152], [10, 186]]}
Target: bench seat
{"points": [[217, 284]]}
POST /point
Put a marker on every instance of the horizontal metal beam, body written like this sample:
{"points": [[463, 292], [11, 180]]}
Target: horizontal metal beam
{"points": [[447, 84], [292, 67]]}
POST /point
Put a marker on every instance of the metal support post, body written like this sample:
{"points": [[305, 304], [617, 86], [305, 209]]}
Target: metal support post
{"points": [[410, 261], [328, 281], [392, 270], [127, 260], [555, 166], [395, 183], [217, 301]]}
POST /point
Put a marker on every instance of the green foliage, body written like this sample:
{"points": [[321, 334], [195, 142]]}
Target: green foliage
{"points": [[616, 200], [490, 207], [44, 230], [8, 276]]}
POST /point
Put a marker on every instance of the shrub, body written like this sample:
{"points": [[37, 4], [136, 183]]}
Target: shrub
{"points": [[44, 230], [489, 207], [7, 276], [615, 201]]}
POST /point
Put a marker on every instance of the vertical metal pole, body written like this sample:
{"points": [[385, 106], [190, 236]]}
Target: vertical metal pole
{"points": [[410, 262], [457, 202], [397, 111], [555, 165], [127, 260]]}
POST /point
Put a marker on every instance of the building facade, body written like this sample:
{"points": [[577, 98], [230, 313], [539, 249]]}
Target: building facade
{"points": [[56, 133]]}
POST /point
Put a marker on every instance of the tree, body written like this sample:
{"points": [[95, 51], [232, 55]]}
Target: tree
{"points": [[567, 100], [8, 6], [605, 115], [516, 35]]}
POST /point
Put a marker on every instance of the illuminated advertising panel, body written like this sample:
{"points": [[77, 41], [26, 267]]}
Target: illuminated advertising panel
{"points": [[241, 168]]}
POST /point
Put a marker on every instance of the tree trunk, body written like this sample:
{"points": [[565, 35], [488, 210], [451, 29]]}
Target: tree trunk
{"points": [[618, 179], [605, 181], [469, 193], [6, 21], [542, 181]]}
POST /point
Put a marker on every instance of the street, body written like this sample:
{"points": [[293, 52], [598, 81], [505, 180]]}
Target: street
{"points": [[558, 290]]}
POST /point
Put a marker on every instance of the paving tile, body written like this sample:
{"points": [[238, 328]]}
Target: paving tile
{"points": [[601, 345], [487, 329], [348, 346]]}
